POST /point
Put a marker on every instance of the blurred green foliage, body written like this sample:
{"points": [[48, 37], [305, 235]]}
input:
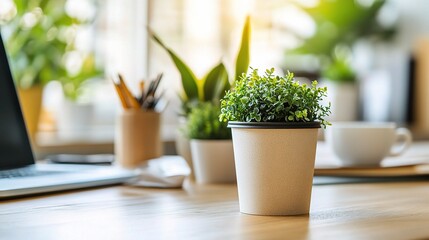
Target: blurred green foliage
{"points": [[339, 24], [343, 22], [35, 47], [203, 123], [339, 70], [39, 36], [73, 83]]}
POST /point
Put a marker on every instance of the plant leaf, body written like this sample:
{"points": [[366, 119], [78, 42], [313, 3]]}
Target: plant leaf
{"points": [[215, 83], [243, 57], [226, 87], [189, 81], [355, 21]]}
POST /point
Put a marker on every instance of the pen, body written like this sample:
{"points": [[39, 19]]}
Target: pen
{"points": [[150, 100], [146, 100]]}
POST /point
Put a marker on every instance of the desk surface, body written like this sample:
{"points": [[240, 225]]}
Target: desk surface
{"points": [[348, 211]]}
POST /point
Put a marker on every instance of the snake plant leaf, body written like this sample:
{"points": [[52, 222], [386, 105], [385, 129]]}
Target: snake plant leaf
{"points": [[226, 87], [189, 81], [243, 57], [214, 83]]}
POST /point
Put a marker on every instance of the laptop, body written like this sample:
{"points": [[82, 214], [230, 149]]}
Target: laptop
{"points": [[19, 173]]}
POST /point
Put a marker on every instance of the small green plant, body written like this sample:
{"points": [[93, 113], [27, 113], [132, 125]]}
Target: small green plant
{"points": [[203, 123], [271, 98]]}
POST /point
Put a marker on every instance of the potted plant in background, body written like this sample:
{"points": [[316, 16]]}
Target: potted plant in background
{"points": [[76, 113], [36, 47], [341, 80], [211, 145], [38, 36], [210, 88], [274, 123]]}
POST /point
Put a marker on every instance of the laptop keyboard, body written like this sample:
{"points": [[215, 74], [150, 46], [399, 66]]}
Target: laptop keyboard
{"points": [[23, 172]]}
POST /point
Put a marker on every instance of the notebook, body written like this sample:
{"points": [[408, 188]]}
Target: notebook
{"points": [[19, 172]]}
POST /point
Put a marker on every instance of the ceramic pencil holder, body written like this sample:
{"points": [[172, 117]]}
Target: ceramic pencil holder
{"points": [[138, 137]]}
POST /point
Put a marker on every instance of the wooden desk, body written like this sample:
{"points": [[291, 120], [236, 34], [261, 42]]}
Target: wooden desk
{"points": [[353, 211]]}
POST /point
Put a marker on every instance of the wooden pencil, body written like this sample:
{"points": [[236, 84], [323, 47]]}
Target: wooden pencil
{"points": [[128, 95], [120, 95]]}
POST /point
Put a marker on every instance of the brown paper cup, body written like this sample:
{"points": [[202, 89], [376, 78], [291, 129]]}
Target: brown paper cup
{"points": [[138, 138]]}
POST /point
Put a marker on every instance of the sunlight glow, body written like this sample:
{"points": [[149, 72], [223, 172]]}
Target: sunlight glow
{"points": [[293, 19], [308, 3], [81, 9], [7, 10]]}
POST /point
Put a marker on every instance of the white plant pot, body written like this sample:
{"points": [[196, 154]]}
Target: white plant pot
{"points": [[183, 146], [213, 161], [74, 120], [344, 98], [275, 166]]}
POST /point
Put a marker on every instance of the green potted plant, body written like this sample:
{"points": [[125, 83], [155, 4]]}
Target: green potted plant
{"points": [[274, 122], [210, 88], [77, 112], [211, 145], [343, 86]]}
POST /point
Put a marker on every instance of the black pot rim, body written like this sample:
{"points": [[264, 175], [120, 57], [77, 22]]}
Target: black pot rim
{"points": [[273, 125]]}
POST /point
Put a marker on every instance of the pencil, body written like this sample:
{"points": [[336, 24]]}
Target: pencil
{"points": [[142, 95], [120, 95], [128, 95]]}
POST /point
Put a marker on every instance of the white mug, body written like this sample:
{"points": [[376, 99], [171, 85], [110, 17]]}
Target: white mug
{"points": [[366, 144]]}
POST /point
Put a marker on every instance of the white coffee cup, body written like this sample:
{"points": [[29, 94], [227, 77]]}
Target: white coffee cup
{"points": [[360, 144]]}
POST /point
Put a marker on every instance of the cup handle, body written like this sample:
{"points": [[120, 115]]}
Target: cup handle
{"points": [[405, 134]]}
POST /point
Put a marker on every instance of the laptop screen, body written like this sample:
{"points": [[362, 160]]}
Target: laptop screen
{"points": [[15, 149]]}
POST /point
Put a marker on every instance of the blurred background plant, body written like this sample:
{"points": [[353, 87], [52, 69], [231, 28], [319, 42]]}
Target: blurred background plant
{"points": [[37, 37], [74, 83], [203, 123], [338, 26], [339, 70], [41, 42], [343, 23]]}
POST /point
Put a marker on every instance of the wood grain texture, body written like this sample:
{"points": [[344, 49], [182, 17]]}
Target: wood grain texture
{"points": [[353, 211]]}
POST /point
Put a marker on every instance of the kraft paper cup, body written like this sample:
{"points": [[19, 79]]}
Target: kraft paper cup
{"points": [[275, 166], [138, 138]]}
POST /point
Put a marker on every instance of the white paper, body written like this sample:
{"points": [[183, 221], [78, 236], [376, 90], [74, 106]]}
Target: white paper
{"points": [[163, 172]]}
